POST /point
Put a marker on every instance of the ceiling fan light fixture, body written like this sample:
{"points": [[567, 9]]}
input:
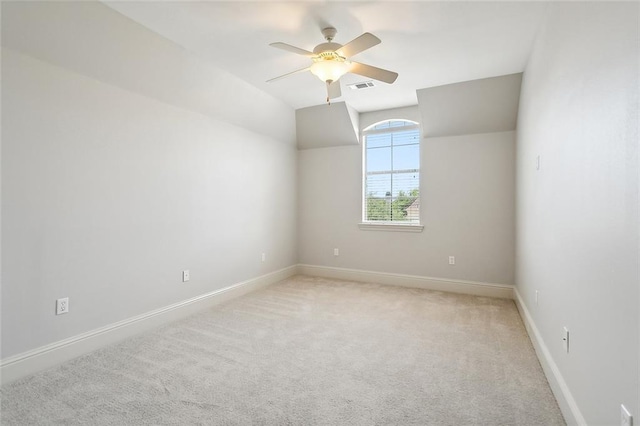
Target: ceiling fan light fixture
{"points": [[332, 60], [329, 70]]}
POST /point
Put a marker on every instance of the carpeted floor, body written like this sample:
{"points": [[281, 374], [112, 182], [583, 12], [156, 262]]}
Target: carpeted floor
{"points": [[307, 351]]}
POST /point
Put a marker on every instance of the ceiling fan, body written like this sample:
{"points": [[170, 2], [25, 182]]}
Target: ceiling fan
{"points": [[331, 61]]}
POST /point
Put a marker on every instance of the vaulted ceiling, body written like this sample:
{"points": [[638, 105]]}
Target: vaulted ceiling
{"points": [[428, 43]]}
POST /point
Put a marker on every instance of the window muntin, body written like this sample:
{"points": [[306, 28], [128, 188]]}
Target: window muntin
{"points": [[392, 173]]}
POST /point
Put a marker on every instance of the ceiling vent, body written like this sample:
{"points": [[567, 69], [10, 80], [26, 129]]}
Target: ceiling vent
{"points": [[361, 86]]}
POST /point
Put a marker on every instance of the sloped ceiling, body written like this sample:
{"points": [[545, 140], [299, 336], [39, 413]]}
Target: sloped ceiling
{"points": [[94, 40], [322, 126], [219, 50], [479, 106], [428, 43]]}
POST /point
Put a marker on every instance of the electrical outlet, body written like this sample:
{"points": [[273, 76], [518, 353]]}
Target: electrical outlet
{"points": [[538, 162], [336, 252], [626, 419], [452, 260], [264, 257], [537, 294], [185, 276], [62, 306], [565, 338]]}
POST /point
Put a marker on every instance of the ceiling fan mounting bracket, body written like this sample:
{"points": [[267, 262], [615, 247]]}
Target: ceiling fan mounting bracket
{"points": [[329, 33]]}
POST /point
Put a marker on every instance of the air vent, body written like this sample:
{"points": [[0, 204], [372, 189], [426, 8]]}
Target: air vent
{"points": [[361, 86]]}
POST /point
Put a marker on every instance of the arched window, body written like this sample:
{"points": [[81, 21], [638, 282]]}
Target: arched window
{"points": [[391, 178]]}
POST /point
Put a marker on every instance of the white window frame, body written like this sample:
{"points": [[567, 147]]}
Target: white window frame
{"points": [[372, 225]]}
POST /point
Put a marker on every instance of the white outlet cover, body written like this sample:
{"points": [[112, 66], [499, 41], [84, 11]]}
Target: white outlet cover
{"points": [[62, 306], [336, 252], [185, 276]]}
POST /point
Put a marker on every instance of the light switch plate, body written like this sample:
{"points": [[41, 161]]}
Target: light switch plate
{"points": [[565, 339]]}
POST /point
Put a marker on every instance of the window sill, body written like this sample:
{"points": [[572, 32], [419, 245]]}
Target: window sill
{"points": [[386, 226]]}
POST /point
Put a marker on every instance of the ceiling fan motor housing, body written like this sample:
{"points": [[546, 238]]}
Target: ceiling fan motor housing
{"points": [[326, 47]]}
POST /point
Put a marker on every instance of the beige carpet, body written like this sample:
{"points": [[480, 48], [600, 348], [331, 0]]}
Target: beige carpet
{"points": [[307, 351]]}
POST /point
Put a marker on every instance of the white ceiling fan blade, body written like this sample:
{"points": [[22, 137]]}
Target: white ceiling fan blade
{"points": [[358, 44], [333, 90], [288, 74], [290, 48], [373, 72]]}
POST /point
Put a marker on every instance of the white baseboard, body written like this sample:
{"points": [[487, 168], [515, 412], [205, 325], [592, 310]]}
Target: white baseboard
{"points": [[561, 391], [47, 356], [441, 284]]}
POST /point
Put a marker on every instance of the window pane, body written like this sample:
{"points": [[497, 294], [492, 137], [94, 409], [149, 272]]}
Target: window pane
{"points": [[404, 137], [378, 209], [399, 123], [378, 197], [378, 159], [375, 141], [378, 185], [406, 157], [392, 175], [406, 183], [384, 125]]}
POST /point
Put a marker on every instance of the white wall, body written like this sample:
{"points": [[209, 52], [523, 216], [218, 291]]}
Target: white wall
{"points": [[578, 215], [467, 186], [108, 194], [477, 106]]}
